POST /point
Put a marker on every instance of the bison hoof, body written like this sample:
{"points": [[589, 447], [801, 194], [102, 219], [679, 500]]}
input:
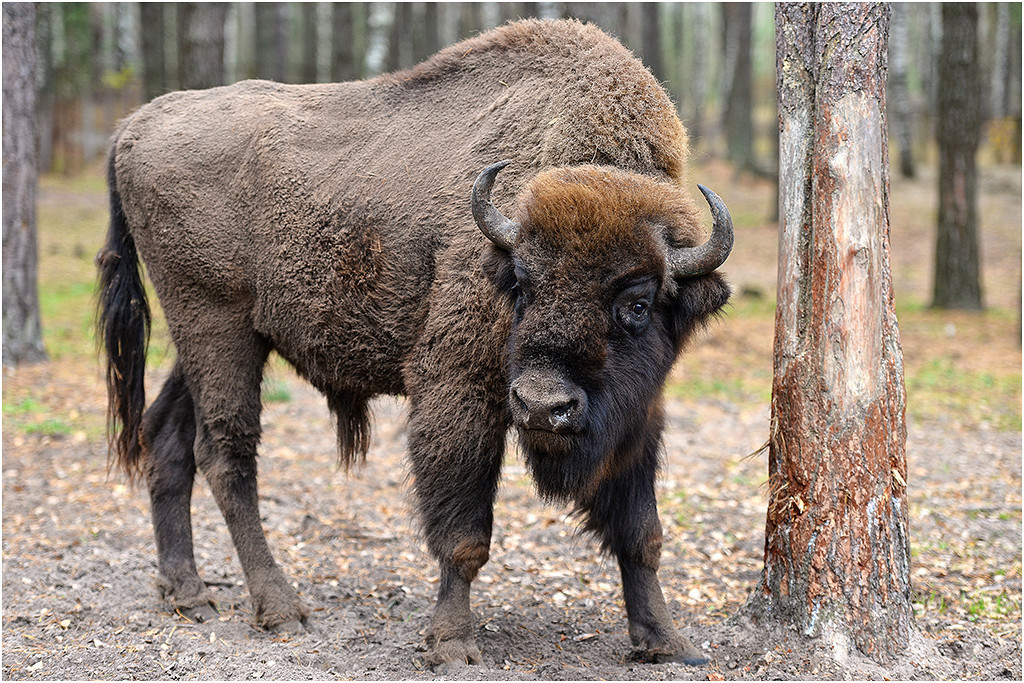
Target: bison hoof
{"points": [[293, 627], [200, 613], [451, 654], [680, 652]]}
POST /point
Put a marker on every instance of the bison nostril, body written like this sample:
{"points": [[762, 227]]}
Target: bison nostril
{"points": [[539, 401], [562, 411]]}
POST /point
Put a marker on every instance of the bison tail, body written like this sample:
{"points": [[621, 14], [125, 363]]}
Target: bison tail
{"points": [[123, 323]]}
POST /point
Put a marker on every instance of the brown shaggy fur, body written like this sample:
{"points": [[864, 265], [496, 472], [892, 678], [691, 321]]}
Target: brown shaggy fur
{"points": [[330, 223]]}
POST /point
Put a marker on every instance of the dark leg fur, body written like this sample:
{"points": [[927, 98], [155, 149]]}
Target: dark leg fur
{"points": [[624, 515], [456, 445], [226, 390], [223, 359], [168, 432]]}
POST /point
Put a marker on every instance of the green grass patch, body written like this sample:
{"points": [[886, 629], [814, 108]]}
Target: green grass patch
{"points": [[937, 388], [275, 391], [50, 426], [30, 416]]}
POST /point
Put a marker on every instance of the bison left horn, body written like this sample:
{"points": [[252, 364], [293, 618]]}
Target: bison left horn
{"points": [[496, 227], [693, 261]]}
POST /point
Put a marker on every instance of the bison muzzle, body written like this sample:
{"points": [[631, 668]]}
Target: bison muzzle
{"points": [[329, 223]]}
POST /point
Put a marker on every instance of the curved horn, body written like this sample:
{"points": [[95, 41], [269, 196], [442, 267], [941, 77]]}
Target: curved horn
{"points": [[496, 227], [693, 261]]}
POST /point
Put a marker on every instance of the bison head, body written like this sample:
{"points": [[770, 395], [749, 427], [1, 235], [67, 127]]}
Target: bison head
{"points": [[606, 279]]}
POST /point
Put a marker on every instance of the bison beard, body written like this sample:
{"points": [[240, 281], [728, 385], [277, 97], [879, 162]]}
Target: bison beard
{"points": [[612, 435], [298, 219]]}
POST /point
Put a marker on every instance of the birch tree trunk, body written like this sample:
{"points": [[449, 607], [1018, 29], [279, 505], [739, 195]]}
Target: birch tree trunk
{"points": [[22, 334], [837, 553]]}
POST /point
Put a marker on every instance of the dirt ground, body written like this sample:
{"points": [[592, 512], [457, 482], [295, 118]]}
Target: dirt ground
{"points": [[79, 562], [79, 601]]}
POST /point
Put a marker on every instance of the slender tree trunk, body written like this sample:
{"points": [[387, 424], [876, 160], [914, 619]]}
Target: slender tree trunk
{"points": [[836, 549], [957, 273], [342, 47], [899, 48], [22, 332], [470, 21], [699, 82], [154, 71], [650, 48], [201, 51], [400, 42], [431, 31], [308, 43], [271, 41], [46, 91], [1012, 88], [738, 112]]}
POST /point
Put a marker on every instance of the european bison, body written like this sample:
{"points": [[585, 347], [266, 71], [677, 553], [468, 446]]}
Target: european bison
{"points": [[330, 223]]}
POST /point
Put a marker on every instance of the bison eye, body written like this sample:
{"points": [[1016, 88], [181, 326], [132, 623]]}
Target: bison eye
{"points": [[639, 309], [632, 306]]}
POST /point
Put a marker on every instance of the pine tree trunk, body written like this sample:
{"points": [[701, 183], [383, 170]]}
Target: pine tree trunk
{"points": [[737, 115], [342, 47], [650, 48], [900, 102], [308, 43], [470, 21], [271, 41], [699, 78], [201, 51], [431, 32], [836, 549], [957, 274], [22, 333], [154, 71]]}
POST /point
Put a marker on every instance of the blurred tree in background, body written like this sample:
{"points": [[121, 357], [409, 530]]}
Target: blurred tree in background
{"points": [[957, 270], [22, 332], [99, 60]]}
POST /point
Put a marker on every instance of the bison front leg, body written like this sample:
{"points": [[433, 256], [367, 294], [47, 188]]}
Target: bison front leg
{"points": [[456, 449], [632, 532]]}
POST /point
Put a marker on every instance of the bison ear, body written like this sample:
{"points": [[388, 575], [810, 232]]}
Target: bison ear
{"points": [[499, 269], [696, 301]]}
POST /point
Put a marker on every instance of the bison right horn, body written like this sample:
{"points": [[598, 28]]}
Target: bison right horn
{"points": [[496, 227], [694, 261]]}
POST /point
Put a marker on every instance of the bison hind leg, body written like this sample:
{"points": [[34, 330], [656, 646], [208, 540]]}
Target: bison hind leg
{"points": [[167, 434], [352, 411]]}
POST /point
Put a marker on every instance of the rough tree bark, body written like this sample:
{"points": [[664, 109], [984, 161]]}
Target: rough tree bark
{"points": [[837, 552], [22, 333], [957, 273]]}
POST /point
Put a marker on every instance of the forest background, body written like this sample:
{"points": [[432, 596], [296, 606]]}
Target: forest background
{"points": [[96, 62]]}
